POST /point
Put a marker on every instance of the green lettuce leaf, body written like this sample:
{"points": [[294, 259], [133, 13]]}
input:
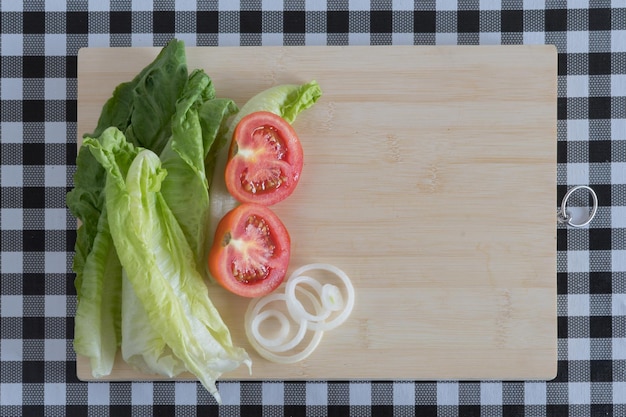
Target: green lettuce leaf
{"points": [[212, 111], [195, 126], [142, 347], [143, 107], [286, 100], [86, 201], [141, 95], [160, 266], [97, 330], [149, 100]]}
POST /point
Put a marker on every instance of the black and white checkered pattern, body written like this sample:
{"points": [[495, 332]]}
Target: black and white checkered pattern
{"points": [[39, 42]]}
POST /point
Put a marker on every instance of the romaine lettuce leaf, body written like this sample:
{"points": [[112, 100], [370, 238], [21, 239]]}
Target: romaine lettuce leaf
{"points": [[86, 201], [219, 109], [160, 265], [195, 126], [142, 347], [286, 100], [149, 100], [143, 107], [97, 330]]}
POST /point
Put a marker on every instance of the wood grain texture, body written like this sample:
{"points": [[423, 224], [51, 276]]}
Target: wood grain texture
{"points": [[429, 177]]}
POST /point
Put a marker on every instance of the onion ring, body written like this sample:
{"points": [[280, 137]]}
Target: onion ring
{"points": [[284, 327], [269, 353], [295, 307], [329, 299]]}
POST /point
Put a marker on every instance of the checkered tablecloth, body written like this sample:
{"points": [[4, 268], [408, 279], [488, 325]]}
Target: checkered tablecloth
{"points": [[39, 41]]}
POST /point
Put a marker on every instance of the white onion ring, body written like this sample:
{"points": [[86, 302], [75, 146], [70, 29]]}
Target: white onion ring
{"points": [[269, 352], [295, 307], [329, 299], [273, 346], [284, 327], [277, 344]]}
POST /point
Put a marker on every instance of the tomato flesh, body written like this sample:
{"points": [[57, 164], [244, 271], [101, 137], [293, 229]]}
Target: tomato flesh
{"points": [[250, 252], [252, 265], [265, 159]]}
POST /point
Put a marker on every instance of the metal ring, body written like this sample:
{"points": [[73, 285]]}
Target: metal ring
{"points": [[565, 217]]}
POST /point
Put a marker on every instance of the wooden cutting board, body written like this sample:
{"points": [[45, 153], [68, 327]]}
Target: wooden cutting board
{"points": [[429, 177]]}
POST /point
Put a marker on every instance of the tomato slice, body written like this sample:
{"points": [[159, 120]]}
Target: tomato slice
{"points": [[265, 159], [250, 252]]}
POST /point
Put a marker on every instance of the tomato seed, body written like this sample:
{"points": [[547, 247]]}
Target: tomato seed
{"points": [[269, 136], [271, 181], [249, 275]]}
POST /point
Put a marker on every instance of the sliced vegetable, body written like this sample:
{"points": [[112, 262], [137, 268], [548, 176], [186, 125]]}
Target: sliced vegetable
{"points": [[279, 342], [270, 351], [265, 159], [330, 297], [286, 101], [250, 252], [327, 300]]}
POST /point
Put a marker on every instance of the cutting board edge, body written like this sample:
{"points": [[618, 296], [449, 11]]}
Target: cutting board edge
{"points": [[83, 374]]}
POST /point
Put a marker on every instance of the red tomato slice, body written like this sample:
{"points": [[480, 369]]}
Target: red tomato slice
{"points": [[265, 159], [250, 252]]}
